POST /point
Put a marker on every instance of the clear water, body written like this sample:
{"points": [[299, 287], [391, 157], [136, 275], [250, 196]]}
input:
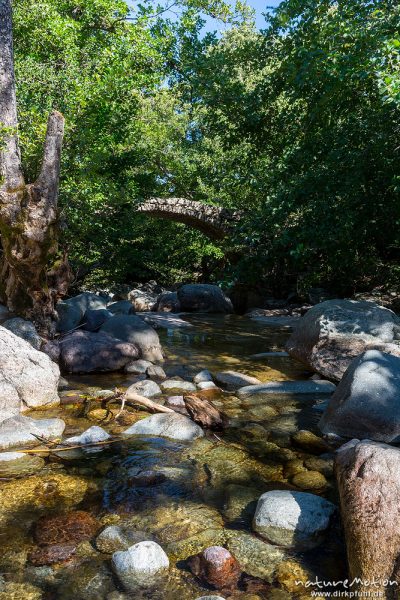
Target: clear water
{"points": [[208, 489]]}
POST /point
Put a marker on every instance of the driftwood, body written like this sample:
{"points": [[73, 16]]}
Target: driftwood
{"points": [[131, 399], [203, 412]]}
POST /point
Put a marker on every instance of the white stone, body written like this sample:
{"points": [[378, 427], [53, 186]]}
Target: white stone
{"points": [[141, 565], [294, 520], [21, 431], [232, 380], [169, 425], [203, 376], [207, 385], [90, 436], [138, 366]]}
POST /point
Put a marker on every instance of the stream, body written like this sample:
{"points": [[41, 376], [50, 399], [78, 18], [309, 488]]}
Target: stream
{"points": [[206, 492]]}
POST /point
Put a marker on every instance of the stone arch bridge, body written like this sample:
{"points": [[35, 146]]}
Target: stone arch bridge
{"points": [[215, 222]]}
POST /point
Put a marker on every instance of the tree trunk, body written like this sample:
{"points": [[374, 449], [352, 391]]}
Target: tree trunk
{"points": [[33, 274]]}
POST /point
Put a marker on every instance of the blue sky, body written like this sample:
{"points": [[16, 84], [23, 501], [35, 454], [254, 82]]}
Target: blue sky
{"points": [[260, 6]]}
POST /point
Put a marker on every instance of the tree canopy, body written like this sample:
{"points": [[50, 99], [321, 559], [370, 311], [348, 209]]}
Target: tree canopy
{"points": [[296, 126]]}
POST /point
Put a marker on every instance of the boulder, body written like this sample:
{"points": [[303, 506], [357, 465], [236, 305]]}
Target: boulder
{"points": [[28, 378], [368, 475], [141, 566], [167, 302], [169, 425], [132, 329], [201, 297], [86, 352], [52, 349], [232, 380], [25, 330], [71, 311], [156, 372], [94, 319], [295, 520], [288, 387], [203, 376], [165, 321], [142, 300], [215, 566], [333, 333], [21, 431], [146, 388], [366, 403], [122, 307]]}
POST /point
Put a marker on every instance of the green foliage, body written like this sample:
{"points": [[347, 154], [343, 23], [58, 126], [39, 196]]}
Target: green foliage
{"points": [[297, 126]]}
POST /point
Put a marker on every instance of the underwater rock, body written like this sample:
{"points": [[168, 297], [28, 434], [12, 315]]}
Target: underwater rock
{"points": [[141, 566], [215, 566], [116, 537], [295, 520], [17, 464], [69, 528]]}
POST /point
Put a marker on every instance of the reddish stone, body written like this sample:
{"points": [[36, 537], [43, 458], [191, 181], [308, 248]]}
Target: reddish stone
{"points": [[70, 528], [51, 554], [216, 567]]}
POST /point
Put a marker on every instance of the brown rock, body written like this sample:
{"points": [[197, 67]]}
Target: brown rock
{"points": [[69, 528], [216, 566], [51, 554], [368, 475]]}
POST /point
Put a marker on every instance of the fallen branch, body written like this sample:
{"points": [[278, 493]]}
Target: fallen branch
{"points": [[131, 399], [64, 448], [203, 412]]}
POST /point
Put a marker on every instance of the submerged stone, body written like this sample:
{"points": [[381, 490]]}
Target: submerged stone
{"points": [[17, 464]]}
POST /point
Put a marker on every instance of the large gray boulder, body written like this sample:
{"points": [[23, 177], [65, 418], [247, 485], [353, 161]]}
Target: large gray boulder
{"points": [[368, 475], [296, 520], [87, 352], [333, 333], [169, 425], [71, 311], [366, 403], [24, 431], [141, 566], [25, 330], [132, 329], [202, 297], [28, 378], [93, 319]]}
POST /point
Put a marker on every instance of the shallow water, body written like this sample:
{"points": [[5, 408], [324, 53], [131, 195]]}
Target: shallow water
{"points": [[207, 489]]}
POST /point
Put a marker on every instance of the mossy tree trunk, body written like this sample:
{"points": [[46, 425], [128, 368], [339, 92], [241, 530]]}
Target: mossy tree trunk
{"points": [[33, 275]]}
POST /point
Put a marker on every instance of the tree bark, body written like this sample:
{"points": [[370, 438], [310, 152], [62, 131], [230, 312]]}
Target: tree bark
{"points": [[33, 274]]}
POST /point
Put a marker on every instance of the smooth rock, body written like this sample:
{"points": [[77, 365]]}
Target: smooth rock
{"points": [[169, 425], [21, 431], [203, 377], [87, 352], [25, 330], [165, 321], [207, 385], [199, 297], [215, 566], [177, 384], [141, 566], [288, 387], [122, 307], [28, 378], [366, 403], [138, 366], [115, 537], [294, 520], [256, 557], [168, 302], [156, 372], [309, 442], [368, 475], [17, 464], [146, 388], [309, 480], [333, 333], [94, 319], [232, 380], [90, 436], [71, 311], [133, 329]]}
